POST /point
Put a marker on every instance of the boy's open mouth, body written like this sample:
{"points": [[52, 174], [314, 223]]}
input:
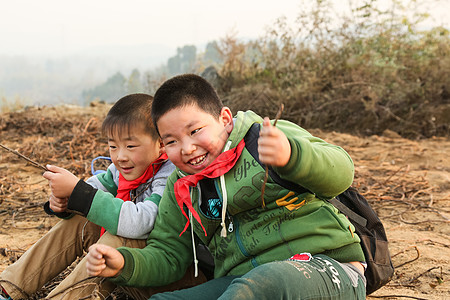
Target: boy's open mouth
{"points": [[198, 160], [126, 169]]}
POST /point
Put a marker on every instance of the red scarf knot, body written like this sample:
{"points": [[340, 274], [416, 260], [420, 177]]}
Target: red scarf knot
{"points": [[222, 164]]}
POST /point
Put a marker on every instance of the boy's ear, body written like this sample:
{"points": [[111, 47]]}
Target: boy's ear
{"points": [[226, 117], [162, 149]]}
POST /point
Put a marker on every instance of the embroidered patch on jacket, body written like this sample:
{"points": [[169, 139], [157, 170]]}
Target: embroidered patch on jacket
{"points": [[290, 203], [301, 257]]}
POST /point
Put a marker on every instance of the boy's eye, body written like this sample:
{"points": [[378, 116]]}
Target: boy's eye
{"points": [[131, 146], [112, 147], [166, 143], [195, 131]]}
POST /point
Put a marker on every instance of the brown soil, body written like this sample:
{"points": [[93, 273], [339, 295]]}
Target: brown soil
{"points": [[406, 181]]}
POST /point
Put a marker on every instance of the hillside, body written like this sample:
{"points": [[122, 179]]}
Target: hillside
{"points": [[406, 181]]}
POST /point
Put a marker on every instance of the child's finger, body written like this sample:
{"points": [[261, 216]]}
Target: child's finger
{"points": [[54, 169], [93, 252], [94, 269], [266, 122], [48, 175], [267, 127], [57, 203], [99, 251]]}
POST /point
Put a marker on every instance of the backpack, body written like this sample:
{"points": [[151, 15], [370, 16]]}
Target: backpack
{"points": [[371, 231], [351, 203]]}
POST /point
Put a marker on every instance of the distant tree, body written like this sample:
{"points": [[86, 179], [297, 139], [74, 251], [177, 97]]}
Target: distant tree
{"points": [[187, 55], [152, 80], [183, 61], [110, 91], [212, 54], [134, 84], [173, 64]]}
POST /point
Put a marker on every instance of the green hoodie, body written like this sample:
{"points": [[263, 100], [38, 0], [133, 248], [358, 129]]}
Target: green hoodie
{"points": [[290, 223]]}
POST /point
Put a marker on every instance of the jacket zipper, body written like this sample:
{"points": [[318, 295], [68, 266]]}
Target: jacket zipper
{"points": [[241, 246], [230, 226]]}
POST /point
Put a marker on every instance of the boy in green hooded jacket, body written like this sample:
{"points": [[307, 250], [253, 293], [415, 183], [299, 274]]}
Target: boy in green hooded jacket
{"points": [[291, 245]]}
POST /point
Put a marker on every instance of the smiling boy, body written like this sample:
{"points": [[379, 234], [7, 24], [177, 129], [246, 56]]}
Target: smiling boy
{"points": [[298, 246], [194, 144], [115, 208]]}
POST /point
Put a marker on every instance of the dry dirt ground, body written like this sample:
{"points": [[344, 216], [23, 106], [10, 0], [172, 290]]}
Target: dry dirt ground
{"points": [[406, 181]]}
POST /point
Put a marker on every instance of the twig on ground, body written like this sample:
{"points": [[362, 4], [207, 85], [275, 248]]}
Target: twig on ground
{"points": [[419, 222], [410, 261], [397, 296], [6, 251], [434, 242], [393, 174], [417, 277]]}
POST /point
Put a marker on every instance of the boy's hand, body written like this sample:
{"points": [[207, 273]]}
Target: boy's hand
{"points": [[273, 146], [104, 261], [58, 204], [62, 182]]}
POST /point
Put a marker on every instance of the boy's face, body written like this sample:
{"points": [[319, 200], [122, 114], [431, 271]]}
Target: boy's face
{"points": [[193, 138], [133, 151]]}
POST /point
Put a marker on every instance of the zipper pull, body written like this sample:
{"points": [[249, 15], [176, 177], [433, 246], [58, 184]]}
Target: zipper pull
{"points": [[230, 227]]}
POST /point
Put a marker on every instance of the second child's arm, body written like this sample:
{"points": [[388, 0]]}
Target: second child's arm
{"points": [[95, 199]]}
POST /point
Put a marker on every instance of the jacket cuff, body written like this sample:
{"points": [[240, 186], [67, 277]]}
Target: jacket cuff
{"points": [[49, 211], [80, 200], [128, 268]]}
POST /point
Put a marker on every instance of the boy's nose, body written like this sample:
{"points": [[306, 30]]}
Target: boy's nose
{"points": [[121, 155], [187, 148]]}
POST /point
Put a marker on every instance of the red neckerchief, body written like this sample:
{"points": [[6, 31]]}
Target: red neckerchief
{"points": [[125, 186], [222, 164]]}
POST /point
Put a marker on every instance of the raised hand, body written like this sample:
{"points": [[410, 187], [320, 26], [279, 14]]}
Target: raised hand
{"points": [[273, 146]]}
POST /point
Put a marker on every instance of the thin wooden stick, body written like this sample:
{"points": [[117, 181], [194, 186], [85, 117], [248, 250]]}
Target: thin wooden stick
{"points": [[409, 261], [397, 296], [417, 277], [266, 175], [35, 164]]}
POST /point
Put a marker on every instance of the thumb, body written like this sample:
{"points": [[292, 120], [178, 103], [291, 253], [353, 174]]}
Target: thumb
{"points": [[95, 251], [266, 122], [54, 169], [102, 250]]}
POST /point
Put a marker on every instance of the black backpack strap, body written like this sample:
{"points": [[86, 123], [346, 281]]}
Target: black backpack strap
{"points": [[348, 212], [251, 143]]}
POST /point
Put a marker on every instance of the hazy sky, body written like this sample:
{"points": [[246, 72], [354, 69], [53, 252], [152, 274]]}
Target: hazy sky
{"points": [[59, 27]]}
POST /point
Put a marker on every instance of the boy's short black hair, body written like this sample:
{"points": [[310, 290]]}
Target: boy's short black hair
{"points": [[185, 90], [129, 111]]}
